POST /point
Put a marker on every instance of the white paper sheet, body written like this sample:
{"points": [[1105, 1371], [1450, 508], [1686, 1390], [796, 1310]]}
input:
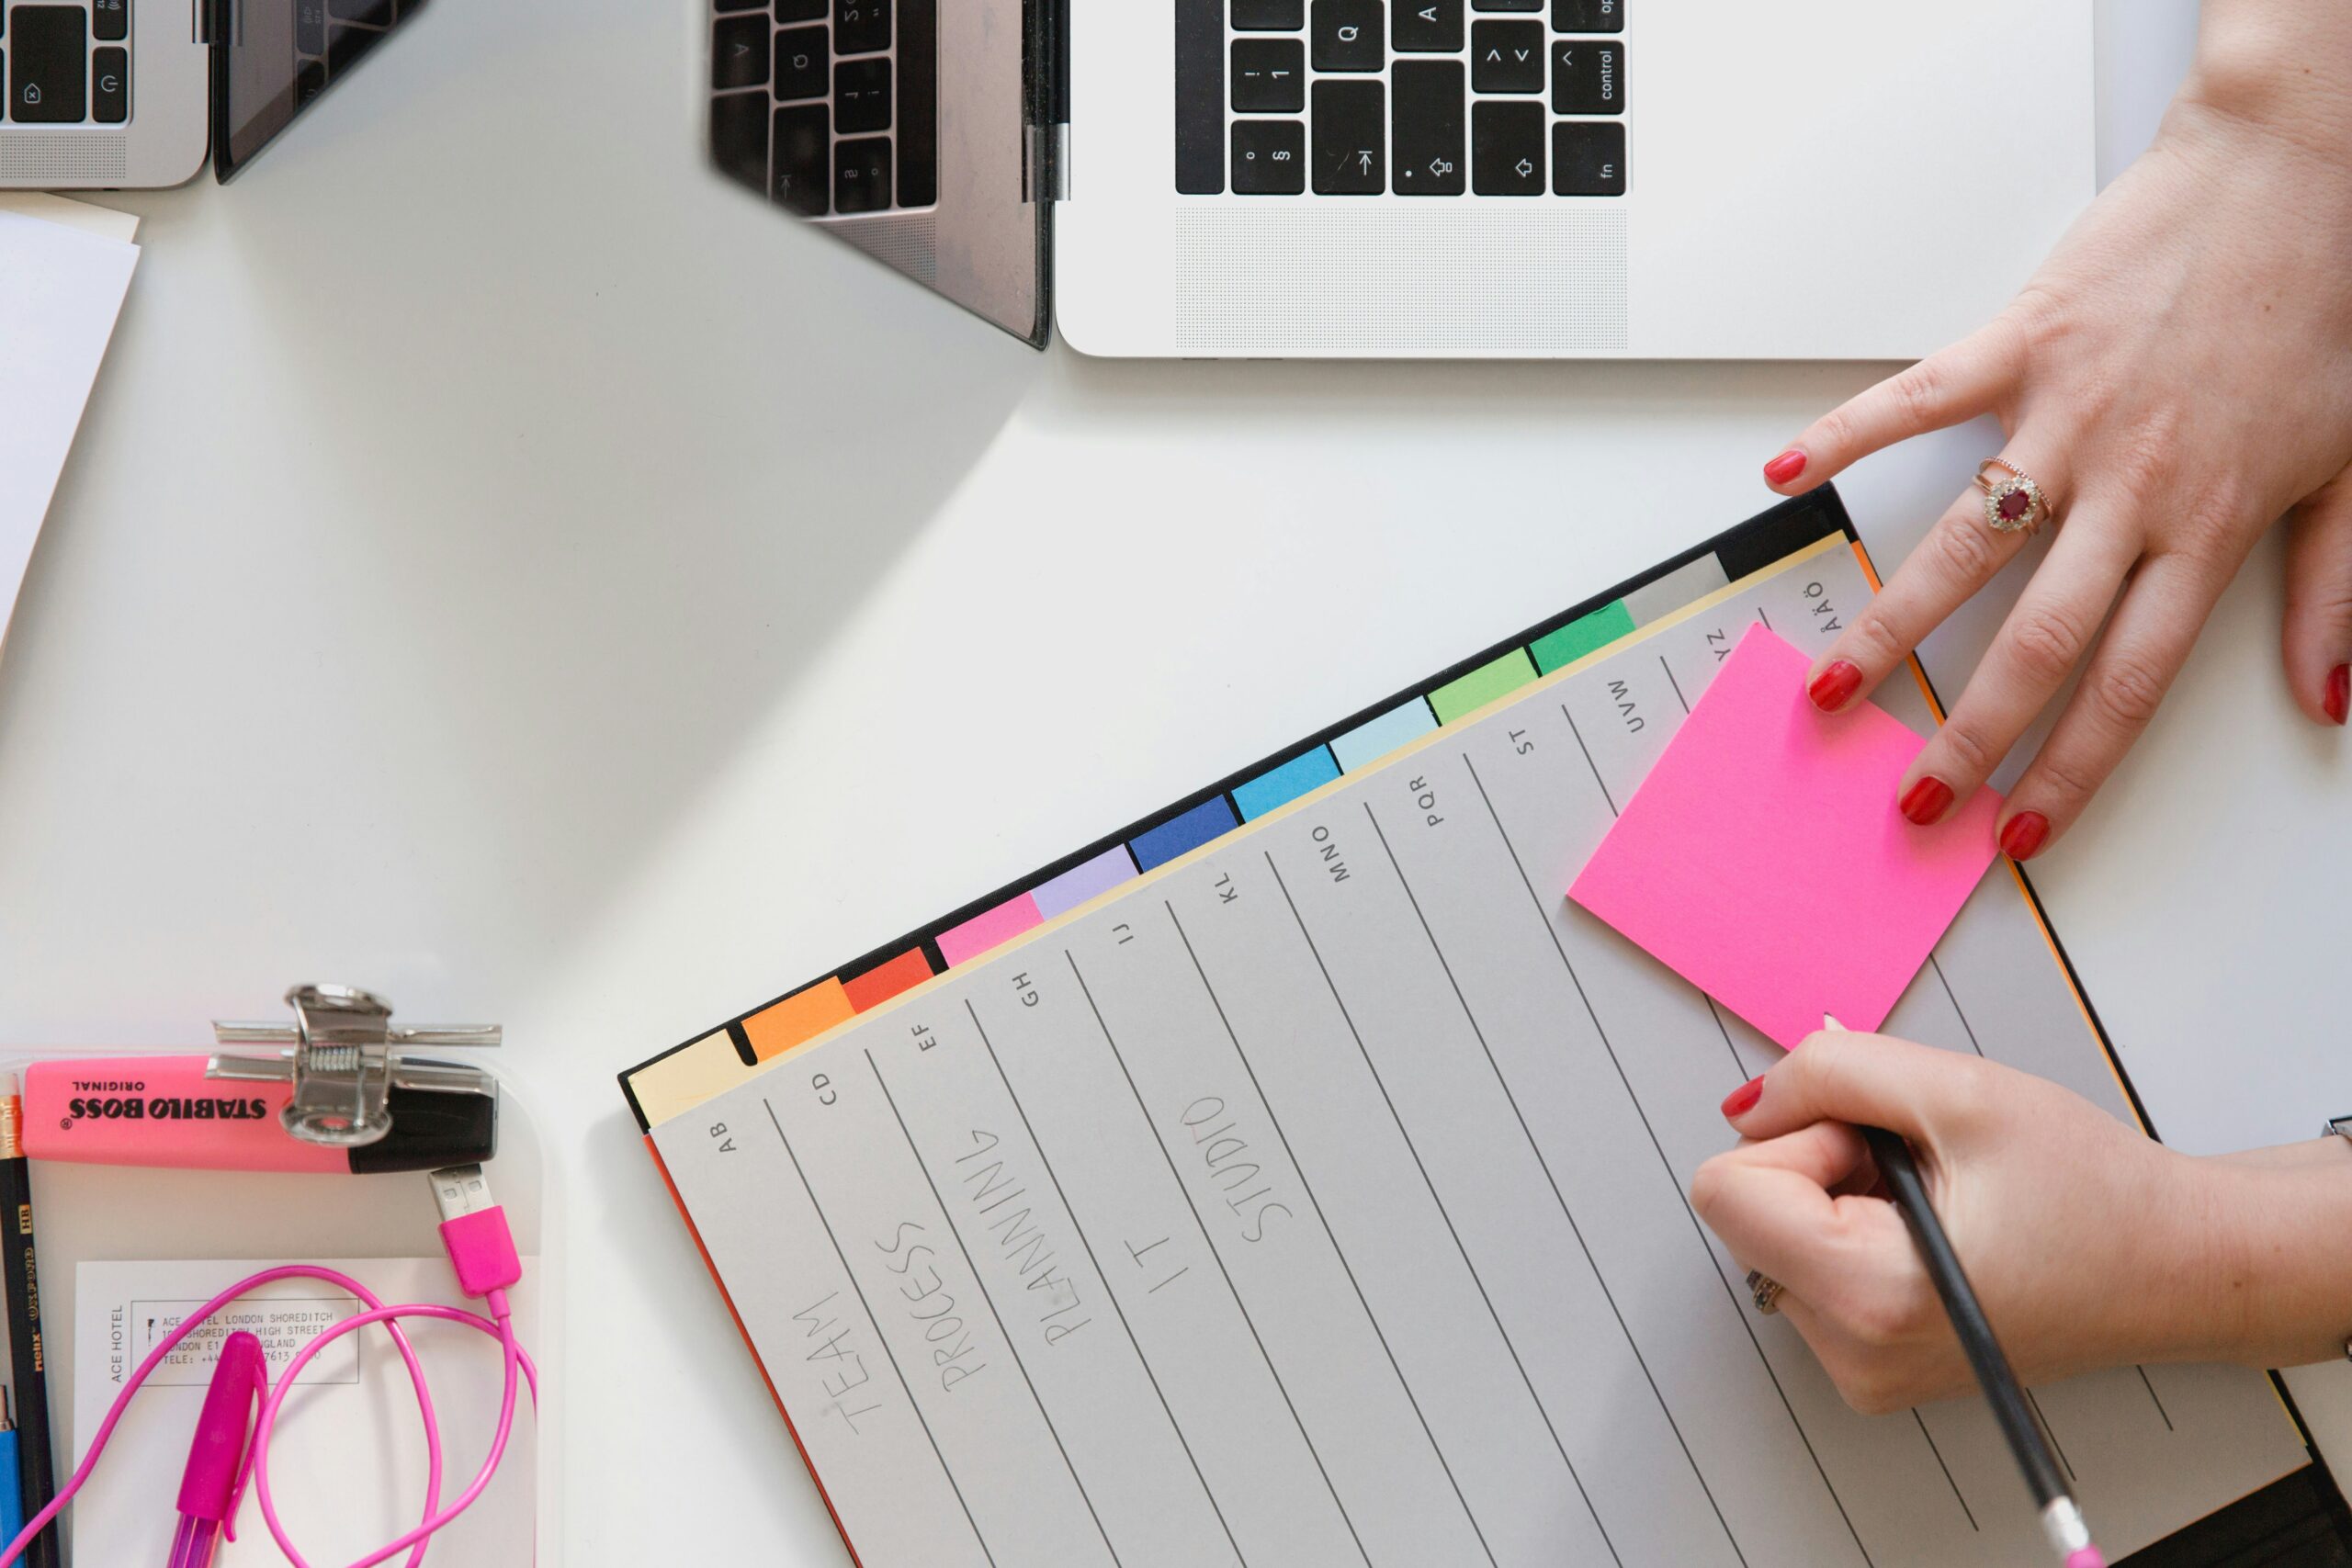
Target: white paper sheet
{"points": [[347, 1461], [61, 288]]}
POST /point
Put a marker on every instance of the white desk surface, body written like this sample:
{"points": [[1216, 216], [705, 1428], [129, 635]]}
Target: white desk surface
{"points": [[503, 568]]}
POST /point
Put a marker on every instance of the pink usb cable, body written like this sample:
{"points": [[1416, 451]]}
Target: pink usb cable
{"points": [[482, 1251]]}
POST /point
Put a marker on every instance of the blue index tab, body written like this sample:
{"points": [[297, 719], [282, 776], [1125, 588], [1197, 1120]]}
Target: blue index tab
{"points": [[12, 1506], [1281, 785], [1212, 818], [1375, 737]]}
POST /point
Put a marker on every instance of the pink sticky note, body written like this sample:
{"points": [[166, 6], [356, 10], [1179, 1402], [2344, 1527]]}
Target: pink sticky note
{"points": [[1763, 859]]}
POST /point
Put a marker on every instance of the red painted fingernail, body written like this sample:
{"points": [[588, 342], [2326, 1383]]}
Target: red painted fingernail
{"points": [[1833, 686], [1742, 1100], [1785, 467], [2339, 693], [1925, 801], [2024, 835]]}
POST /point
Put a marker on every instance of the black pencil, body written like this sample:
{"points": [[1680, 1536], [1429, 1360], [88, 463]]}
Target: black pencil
{"points": [[36, 1467], [2061, 1517]]}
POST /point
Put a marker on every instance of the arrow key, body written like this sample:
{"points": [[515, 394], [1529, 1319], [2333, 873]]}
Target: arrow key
{"points": [[1507, 57], [1507, 149]]}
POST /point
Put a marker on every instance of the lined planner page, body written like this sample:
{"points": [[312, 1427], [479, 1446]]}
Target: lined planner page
{"points": [[1317, 1200]]}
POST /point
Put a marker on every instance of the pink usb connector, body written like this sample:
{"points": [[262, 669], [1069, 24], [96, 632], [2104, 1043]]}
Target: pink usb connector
{"points": [[473, 1227]]}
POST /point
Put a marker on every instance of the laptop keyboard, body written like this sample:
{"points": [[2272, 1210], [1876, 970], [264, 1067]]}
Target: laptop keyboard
{"points": [[70, 64], [1404, 97], [828, 106]]}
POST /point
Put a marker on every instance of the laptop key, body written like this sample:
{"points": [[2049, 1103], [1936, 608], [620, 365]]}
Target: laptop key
{"points": [[110, 20], [1269, 16], [803, 175], [739, 52], [1427, 26], [1588, 77], [1269, 157], [1350, 139], [797, 10], [917, 103], [1429, 131], [1268, 75], [1507, 149], [1200, 96], [309, 81], [311, 27], [862, 174], [1507, 57], [1349, 34], [860, 96], [800, 64], [1506, 5], [1587, 15], [110, 85], [862, 26], [738, 5], [49, 66], [1588, 157], [739, 137]]}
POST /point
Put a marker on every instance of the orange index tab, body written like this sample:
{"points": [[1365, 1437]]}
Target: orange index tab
{"points": [[801, 1016]]}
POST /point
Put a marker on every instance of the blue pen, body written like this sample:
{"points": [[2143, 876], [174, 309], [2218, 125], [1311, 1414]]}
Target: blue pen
{"points": [[12, 1503]]}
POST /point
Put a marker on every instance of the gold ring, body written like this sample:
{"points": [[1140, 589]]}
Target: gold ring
{"points": [[2012, 503], [1766, 1290]]}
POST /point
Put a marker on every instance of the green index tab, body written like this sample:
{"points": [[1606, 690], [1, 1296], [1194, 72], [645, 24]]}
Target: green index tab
{"points": [[1466, 693], [1581, 636]]}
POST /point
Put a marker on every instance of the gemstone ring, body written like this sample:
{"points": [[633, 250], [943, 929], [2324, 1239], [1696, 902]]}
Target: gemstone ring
{"points": [[2012, 503], [1766, 1291]]}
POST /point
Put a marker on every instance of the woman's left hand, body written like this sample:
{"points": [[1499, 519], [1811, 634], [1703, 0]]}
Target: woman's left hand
{"points": [[2089, 1244]]}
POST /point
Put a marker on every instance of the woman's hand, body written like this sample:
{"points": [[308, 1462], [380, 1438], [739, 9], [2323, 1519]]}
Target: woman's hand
{"points": [[2177, 376], [2088, 1243]]}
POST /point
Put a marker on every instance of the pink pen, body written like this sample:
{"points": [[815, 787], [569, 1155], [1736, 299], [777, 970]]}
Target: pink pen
{"points": [[217, 1458]]}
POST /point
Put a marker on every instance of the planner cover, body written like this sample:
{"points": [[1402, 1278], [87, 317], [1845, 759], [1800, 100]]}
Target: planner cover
{"points": [[1297, 1177]]}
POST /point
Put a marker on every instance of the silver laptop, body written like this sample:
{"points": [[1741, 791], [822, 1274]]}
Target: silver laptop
{"points": [[1464, 179], [124, 93]]}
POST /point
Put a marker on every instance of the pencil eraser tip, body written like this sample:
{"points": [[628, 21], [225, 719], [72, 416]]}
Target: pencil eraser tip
{"points": [[2086, 1557]]}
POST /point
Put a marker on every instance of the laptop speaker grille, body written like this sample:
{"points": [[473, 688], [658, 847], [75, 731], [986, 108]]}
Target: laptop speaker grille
{"points": [[1451, 278], [35, 155]]}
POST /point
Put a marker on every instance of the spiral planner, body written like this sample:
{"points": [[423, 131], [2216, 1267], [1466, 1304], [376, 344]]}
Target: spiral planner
{"points": [[1297, 1177]]}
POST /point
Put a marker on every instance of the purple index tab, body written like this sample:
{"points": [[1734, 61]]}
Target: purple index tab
{"points": [[1084, 881]]}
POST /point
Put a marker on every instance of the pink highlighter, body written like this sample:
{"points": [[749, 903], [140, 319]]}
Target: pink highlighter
{"points": [[170, 1111], [216, 1460]]}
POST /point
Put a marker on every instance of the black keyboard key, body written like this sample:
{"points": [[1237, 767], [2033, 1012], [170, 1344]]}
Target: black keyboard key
{"points": [[1587, 15], [917, 103], [1269, 16], [1269, 157], [1268, 75], [802, 178], [1507, 57], [1589, 158], [862, 174], [1427, 26], [1348, 35], [800, 64], [789, 11], [861, 27], [860, 96], [1506, 5], [311, 27], [1507, 149], [1200, 96], [739, 137], [375, 13], [1588, 77], [309, 81], [739, 52], [1350, 139], [110, 20], [110, 85], [49, 64], [1428, 132], [739, 5]]}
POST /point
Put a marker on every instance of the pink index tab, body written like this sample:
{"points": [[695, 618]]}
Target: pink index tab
{"points": [[1764, 861], [990, 928]]}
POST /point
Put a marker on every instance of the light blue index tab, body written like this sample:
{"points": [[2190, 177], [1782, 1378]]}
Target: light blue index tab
{"points": [[1374, 739], [1279, 786]]}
